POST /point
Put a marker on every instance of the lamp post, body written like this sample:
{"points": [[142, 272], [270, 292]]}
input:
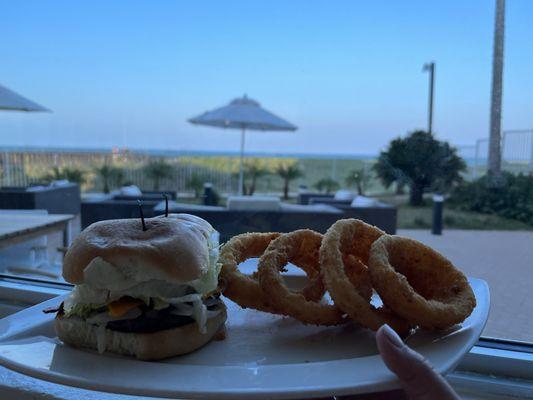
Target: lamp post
{"points": [[430, 67]]}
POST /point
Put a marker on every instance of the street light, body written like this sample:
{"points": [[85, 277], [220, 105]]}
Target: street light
{"points": [[430, 67]]}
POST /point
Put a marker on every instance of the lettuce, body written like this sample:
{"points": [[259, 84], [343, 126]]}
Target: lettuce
{"points": [[209, 282], [83, 310]]}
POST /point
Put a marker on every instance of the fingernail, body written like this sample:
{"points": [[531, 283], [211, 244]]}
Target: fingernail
{"points": [[392, 336]]}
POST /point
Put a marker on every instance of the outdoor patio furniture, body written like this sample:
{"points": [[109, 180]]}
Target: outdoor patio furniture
{"points": [[146, 195], [24, 242], [116, 206], [61, 199], [305, 197], [339, 197], [380, 214], [257, 203], [26, 254], [17, 227], [233, 222], [93, 210], [344, 195], [329, 200], [384, 216]]}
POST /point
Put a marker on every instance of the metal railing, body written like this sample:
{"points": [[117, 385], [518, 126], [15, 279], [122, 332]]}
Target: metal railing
{"points": [[516, 148], [29, 167]]}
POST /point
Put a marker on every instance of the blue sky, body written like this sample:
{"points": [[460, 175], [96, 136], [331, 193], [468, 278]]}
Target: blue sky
{"points": [[348, 73]]}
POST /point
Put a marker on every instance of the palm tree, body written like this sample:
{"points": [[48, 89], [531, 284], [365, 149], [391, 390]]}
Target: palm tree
{"points": [[158, 170], [288, 173], [494, 161], [327, 185], [254, 171], [74, 175], [71, 174], [111, 176], [195, 183], [360, 178]]}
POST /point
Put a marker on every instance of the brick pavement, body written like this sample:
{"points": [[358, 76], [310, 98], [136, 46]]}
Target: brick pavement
{"points": [[502, 258]]}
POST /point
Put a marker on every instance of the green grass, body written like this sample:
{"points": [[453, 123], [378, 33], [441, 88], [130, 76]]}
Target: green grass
{"points": [[421, 218]]}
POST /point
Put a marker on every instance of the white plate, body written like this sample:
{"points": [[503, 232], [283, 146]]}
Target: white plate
{"points": [[264, 356]]}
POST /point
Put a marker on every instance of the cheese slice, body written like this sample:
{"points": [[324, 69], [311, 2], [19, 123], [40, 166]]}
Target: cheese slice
{"points": [[120, 307]]}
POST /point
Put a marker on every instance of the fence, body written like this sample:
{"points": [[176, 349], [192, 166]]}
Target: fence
{"points": [[22, 168], [25, 167], [516, 150]]}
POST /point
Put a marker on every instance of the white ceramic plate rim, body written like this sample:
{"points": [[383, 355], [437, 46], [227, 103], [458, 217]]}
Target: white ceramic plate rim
{"points": [[342, 382]]}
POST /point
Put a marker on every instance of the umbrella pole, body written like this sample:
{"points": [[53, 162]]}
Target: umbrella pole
{"points": [[6, 181], [241, 164]]}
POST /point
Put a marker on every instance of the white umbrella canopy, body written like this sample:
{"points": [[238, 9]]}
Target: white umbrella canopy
{"points": [[11, 101], [245, 114]]}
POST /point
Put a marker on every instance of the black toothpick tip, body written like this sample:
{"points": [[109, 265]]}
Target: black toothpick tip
{"points": [[166, 205], [142, 215]]}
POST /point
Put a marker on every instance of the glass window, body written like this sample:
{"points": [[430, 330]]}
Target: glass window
{"points": [[397, 113]]}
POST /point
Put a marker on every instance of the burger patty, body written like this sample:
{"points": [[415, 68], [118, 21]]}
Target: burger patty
{"points": [[152, 321], [146, 324]]}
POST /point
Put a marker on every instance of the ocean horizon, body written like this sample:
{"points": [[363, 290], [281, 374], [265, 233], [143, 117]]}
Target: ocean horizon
{"points": [[177, 153]]}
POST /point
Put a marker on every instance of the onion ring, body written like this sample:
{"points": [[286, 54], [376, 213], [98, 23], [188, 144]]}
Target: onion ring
{"points": [[419, 284], [351, 236], [300, 247], [245, 290]]}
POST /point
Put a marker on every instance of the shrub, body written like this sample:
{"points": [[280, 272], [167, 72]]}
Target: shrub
{"points": [[360, 179], [422, 162], [421, 222], [195, 183], [253, 171], [158, 170], [288, 172], [327, 185], [110, 175], [512, 199], [71, 174]]}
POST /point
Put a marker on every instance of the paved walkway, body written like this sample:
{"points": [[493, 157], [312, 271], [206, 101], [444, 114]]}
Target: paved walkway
{"points": [[502, 258]]}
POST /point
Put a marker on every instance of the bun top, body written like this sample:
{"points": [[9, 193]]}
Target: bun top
{"points": [[174, 248]]}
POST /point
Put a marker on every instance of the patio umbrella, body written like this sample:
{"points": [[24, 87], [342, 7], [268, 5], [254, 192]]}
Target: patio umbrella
{"points": [[245, 114], [11, 101]]}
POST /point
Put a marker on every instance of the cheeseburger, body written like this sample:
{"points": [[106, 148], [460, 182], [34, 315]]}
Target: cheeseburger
{"points": [[145, 289]]}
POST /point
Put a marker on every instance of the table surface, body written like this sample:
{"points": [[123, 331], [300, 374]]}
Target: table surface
{"points": [[14, 225]]}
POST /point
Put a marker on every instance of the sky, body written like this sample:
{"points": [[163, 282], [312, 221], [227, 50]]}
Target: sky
{"points": [[347, 73]]}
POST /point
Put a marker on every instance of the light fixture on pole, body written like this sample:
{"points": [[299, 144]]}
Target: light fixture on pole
{"points": [[430, 67]]}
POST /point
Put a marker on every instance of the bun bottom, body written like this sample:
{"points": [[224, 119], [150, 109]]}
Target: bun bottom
{"points": [[144, 346]]}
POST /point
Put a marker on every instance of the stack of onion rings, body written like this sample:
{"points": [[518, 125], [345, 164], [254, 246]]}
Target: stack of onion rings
{"points": [[419, 284]]}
